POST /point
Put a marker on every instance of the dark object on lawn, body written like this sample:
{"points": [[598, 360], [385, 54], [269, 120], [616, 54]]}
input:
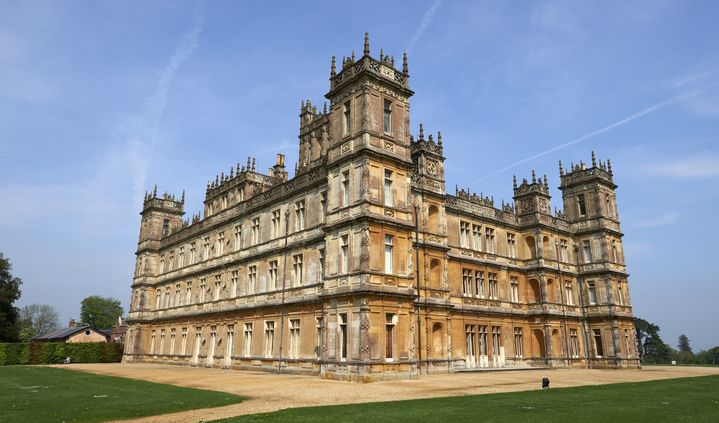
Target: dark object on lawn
{"points": [[545, 383], [66, 360]]}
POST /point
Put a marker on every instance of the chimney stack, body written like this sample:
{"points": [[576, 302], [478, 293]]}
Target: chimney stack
{"points": [[72, 323]]}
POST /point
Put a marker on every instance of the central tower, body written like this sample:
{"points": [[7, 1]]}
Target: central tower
{"points": [[369, 214]]}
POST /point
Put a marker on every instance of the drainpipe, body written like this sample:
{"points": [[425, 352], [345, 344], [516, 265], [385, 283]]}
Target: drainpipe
{"points": [[564, 307], [284, 280], [419, 307], [585, 322]]}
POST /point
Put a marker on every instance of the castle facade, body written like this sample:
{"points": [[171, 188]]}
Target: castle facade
{"points": [[363, 267]]}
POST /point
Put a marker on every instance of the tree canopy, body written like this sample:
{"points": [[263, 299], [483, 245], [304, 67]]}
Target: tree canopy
{"points": [[650, 344], [100, 312], [9, 293], [42, 318]]}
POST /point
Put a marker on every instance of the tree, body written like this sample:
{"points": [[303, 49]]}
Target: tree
{"points": [[42, 318], [9, 293], [100, 312], [650, 344], [684, 344]]}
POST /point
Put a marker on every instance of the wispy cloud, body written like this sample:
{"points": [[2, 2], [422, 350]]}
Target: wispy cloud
{"points": [[666, 219], [426, 20], [696, 167], [145, 133], [634, 116]]}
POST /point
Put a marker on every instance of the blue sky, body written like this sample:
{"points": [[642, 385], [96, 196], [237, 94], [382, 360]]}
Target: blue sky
{"points": [[101, 100]]}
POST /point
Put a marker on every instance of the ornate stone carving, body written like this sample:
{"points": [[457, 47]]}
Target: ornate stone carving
{"points": [[432, 167]]}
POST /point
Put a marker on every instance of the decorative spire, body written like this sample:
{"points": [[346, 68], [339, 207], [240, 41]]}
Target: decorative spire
{"points": [[546, 184], [238, 168], [154, 192], [253, 164], [609, 167], [324, 109], [248, 164], [208, 185], [391, 60], [561, 169], [439, 138], [431, 138], [182, 200], [333, 68], [534, 177], [366, 43], [353, 55], [421, 132], [514, 177], [594, 160], [405, 67], [381, 54], [232, 172]]}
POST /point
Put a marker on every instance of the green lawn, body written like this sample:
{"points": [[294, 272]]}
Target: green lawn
{"points": [[678, 400], [46, 394]]}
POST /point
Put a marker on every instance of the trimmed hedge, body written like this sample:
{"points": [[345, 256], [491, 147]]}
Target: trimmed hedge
{"points": [[55, 352]]}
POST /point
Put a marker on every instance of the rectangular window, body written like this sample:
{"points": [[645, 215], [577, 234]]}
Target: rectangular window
{"points": [[615, 252], [388, 253], [203, 289], [496, 340], [172, 342], [171, 261], [598, 345], [238, 237], [230, 345], [489, 240], [218, 287], [467, 282], [518, 343], [479, 283], [563, 250], [587, 248], [493, 289], [346, 111], [389, 337], [206, 248], [574, 343], [477, 237], [627, 344], [581, 205], [193, 253], [181, 257], [234, 279], [221, 243], [269, 338], [511, 246], [251, 279], [188, 293], [162, 341], [297, 269], [321, 259], [592, 292], [152, 343], [162, 264], [300, 215], [344, 254], [247, 340], [276, 217], [320, 338], [620, 293], [177, 295], [464, 234], [224, 202], [158, 298], [388, 196], [166, 227], [482, 340], [273, 275], [345, 194], [343, 336], [387, 117], [255, 231], [294, 338], [568, 293], [514, 289], [183, 346], [323, 205]]}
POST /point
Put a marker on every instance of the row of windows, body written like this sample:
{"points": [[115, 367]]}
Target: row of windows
{"points": [[608, 205], [209, 249], [386, 118]]}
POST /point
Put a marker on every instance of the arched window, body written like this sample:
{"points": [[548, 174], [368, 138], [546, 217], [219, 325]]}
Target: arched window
{"points": [[531, 246], [437, 340]]}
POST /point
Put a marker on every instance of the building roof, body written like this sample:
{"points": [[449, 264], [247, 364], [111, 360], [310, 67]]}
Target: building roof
{"points": [[64, 333]]}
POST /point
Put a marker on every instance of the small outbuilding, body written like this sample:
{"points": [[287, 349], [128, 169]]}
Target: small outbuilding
{"points": [[74, 333]]}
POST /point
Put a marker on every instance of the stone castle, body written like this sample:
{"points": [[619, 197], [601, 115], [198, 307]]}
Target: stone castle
{"points": [[363, 267]]}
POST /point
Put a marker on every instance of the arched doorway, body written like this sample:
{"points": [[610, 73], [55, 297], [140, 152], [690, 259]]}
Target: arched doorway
{"points": [[437, 341], [538, 349]]}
